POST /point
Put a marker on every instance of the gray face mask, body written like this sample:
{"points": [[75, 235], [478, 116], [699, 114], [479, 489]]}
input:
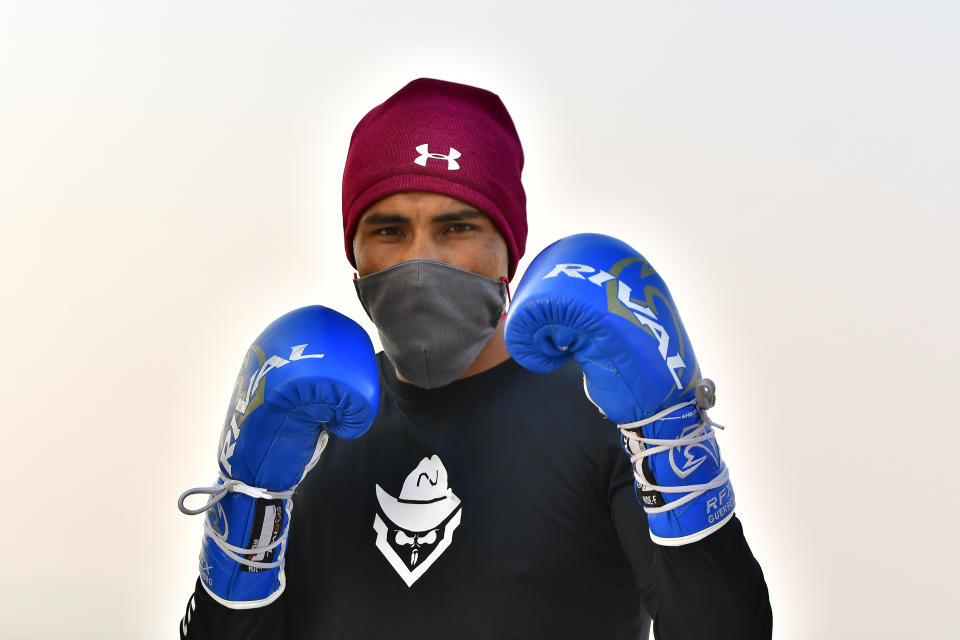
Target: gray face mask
{"points": [[433, 319]]}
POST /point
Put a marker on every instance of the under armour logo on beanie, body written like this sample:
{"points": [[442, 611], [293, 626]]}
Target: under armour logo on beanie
{"points": [[390, 152], [451, 158]]}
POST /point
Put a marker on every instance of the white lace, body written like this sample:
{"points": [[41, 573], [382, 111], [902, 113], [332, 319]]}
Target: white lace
{"points": [[216, 493], [645, 447], [237, 554]]}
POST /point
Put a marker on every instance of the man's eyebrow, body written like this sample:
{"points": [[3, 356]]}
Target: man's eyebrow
{"points": [[452, 216], [381, 217], [384, 218]]}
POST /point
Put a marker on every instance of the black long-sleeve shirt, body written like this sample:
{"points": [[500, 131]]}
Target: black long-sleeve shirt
{"points": [[499, 506]]}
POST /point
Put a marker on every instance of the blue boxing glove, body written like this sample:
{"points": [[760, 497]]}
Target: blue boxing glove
{"points": [[596, 299], [312, 371]]}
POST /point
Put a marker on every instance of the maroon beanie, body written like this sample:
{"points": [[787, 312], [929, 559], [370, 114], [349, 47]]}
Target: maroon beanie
{"points": [[445, 138]]}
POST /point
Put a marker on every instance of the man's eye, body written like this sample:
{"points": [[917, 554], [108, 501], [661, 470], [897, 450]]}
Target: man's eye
{"points": [[387, 231], [460, 227]]}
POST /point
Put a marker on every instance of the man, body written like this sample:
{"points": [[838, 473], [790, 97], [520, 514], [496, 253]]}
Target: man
{"points": [[486, 500]]}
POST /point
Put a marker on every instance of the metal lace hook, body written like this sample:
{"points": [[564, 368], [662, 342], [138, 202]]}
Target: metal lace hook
{"points": [[706, 399]]}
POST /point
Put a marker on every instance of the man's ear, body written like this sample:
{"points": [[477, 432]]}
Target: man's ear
{"points": [[353, 249]]}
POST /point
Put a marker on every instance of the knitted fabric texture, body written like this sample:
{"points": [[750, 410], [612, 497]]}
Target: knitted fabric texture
{"points": [[445, 138]]}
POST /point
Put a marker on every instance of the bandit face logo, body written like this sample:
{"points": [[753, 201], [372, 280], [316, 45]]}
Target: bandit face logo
{"points": [[418, 526]]}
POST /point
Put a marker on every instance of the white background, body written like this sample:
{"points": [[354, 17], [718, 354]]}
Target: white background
{"points": [[170, 182]]}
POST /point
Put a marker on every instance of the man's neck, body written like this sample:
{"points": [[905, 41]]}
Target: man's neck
{"points": [[492, 354]]}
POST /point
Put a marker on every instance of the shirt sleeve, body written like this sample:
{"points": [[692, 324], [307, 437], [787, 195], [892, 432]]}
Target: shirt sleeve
{"points": [[713, 588], [207, 619]]}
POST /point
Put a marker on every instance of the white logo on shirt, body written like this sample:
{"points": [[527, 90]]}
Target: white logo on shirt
{"points": [[418, 526], [451, 158]]}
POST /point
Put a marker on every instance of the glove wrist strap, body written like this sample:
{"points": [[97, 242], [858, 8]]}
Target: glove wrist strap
{"points": [[217, 493], [646, 447]]}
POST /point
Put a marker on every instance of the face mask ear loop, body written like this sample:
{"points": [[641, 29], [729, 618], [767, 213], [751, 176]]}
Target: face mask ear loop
{"points": [[509, 298]]}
